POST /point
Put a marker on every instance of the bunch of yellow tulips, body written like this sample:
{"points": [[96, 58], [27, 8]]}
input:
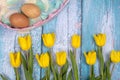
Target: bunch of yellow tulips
{"points": [[91, 57], [45, 60], [60, 69]]}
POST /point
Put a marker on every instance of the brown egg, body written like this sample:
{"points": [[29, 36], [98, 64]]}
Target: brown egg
{"points": [[31, 10], [19, 20]]}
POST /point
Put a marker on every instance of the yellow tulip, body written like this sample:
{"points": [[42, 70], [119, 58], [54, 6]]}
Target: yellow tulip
{"points": [[15, 59], [48, 39], [115, 56], [43, 60], [75, 41], [25, 42], [61, 58], [90, 57], [100, 39]]}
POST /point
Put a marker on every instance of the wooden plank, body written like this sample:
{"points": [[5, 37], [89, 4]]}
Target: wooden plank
{"points": [[94, 12], [6, 46], [61, 31], [36, 40], [115, 9], [98, 16], [74, 25], [49, 27]]}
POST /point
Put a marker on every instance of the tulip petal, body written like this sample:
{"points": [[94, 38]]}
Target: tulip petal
{"points": [[25, 42], [114, 56], [43, 60], [12, 59], [29, 41], [18, 59], [15, 59], [75, 41], [90, 57], [100, 39], [61, 58], [48, 39], [22, 43]]}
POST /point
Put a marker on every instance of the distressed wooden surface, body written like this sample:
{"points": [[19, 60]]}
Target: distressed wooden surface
{"points": [[84, 17], [100, 16]]}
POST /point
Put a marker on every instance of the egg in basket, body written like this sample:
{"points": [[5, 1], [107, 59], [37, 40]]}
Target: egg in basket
{"points": [[28, 14]]}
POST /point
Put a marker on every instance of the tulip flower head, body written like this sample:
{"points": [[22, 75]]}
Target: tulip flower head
{"points": [[43, 60], [48, 39], [61, 58], [90, 57], [15, 59], [25, 42], [115, 56], [75, 41], [100, 39]]}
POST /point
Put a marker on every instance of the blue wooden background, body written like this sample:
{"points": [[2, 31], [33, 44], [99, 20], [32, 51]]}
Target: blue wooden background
{"points": [[84, 17]]}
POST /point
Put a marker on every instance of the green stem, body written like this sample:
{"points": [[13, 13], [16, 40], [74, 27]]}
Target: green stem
{"points": [[48, 73], [74, 66], [60, 75], [53, 70], [29, 63], [108, 70], [101, 60], [74, 51], [17, 74], [26, 57], [90, 72], [52, 65]]}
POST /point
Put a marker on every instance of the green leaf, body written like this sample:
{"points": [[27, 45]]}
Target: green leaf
{"points": [[60, 76], [30, 61], [74, 65], [57, 72], [108, 69], [17, 74], [44, 78], [3, 77], [98, 78], [48, 73], [104, 75], [24, 63], [92, 75], [64, 70], [101, 61], [70, 76], [28, 65], [52, 67]]}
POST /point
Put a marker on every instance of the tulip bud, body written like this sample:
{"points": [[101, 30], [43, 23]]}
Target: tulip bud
{"points": [[48, 39], [15, 59], [75, 41], [43, 60], [90, 57], [25, 42], [100, 39]]}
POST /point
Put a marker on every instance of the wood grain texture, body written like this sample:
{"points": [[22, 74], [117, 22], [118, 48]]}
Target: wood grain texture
{"points": [[115, 7], [7, 45], [93, 12], [100, 17], [36, 40]]}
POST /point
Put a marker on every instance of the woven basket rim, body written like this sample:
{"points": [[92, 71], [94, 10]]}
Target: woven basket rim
{"points": [[39, 23]]}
